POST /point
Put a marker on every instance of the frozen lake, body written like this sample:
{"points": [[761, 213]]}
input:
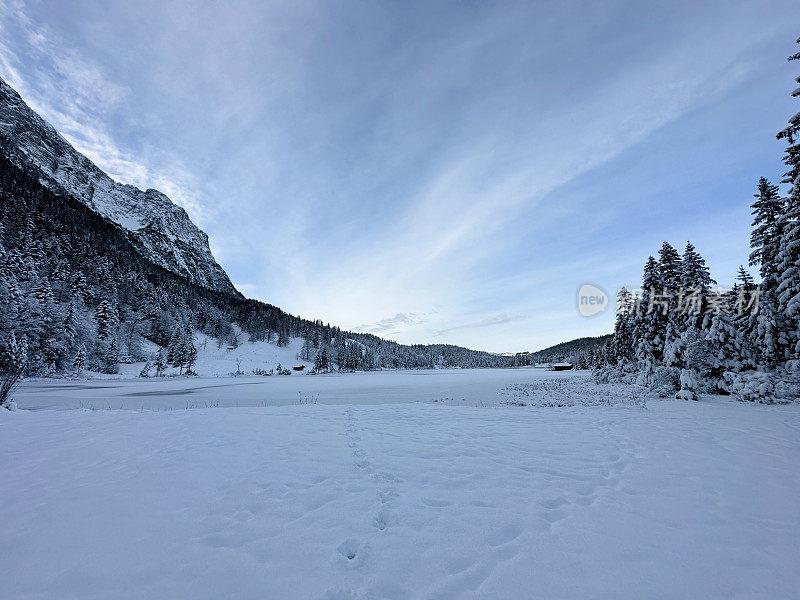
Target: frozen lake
{"points": [[472, 387]]}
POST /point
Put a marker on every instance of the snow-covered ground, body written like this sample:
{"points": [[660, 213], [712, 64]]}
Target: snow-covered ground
{"points": [[408, 500], [215, 360]]}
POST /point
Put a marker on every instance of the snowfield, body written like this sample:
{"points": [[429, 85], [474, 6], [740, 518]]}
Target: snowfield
{"points": [[470, 387], [421, 499]]}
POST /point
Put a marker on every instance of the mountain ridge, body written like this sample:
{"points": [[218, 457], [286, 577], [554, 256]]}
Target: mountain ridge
{"points": [[161, 229]]}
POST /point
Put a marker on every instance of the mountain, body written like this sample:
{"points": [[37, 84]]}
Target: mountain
{"points": [[94, 273], [160, 230]]}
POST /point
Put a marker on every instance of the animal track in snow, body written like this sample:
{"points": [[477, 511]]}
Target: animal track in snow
{"points": [[349, 548]]}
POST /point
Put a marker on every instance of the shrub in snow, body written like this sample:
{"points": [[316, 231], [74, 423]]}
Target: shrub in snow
{"points": [[607, 375], [750, 386], [625, 373], [660, 379], [690, 385], [13, 356], [787, 389], [665, 380], [793, 367]]}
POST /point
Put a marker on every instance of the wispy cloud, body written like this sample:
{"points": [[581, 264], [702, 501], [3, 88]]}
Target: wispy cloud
{"points": [[79, 100], [448, 160], [490, 321], [391, 324]]}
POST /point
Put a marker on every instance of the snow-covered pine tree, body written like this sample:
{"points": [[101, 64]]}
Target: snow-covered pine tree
{"points": [[744, 279], [321, 361], [670, 269], [110, 363], [743, 300], [769, 333], [191, 358], [728, 349], [173, 347], [609, 356], [180, 348], [695, 281], [107, 319], [161, 363], [307, 351], [79, 362], [188, 347], [623, 344], [765, 238], [80, 288], [70, 327], [599, 359], [283, 337], [694, 272], [670, 272], [649, 322], [787, 262]]}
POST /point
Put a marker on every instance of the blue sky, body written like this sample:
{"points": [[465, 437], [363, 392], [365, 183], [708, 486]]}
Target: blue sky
{"points": [[444, 172]]}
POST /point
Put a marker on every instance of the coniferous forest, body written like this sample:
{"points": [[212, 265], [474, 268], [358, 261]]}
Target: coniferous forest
{"points": [[682, 334]]}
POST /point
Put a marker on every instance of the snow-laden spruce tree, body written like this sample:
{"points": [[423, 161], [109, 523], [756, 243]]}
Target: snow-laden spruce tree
{"points": [[670, 268], [110, 358], [728, 349], [189, 350], [174, 346], [107, 319], [696, 282], [161, 362], [622, 344], [787, 262], [765, 239], [648, 321], [770, 334], [79, 362], [321, 363]]}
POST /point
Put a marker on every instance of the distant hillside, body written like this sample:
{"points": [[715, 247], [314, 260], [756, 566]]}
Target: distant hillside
{"points": [[574, 351]]}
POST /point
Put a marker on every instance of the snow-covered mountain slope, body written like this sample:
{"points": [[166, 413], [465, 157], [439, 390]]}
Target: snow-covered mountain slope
{"points": [[160, 229], [215, 360]]}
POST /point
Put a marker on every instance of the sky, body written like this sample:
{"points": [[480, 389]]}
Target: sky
{"points": [[432, 172]]}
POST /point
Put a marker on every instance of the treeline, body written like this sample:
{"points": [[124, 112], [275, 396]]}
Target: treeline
{"points": [[679, 334], [584, 353], [76, 294]]}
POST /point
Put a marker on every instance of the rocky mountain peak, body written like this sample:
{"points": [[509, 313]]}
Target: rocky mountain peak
{"points": [[161, 230]]}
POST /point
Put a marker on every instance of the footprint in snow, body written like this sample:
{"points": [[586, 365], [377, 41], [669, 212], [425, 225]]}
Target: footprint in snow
{"points": [[380, 521], [386, 496], [352, 553]]}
